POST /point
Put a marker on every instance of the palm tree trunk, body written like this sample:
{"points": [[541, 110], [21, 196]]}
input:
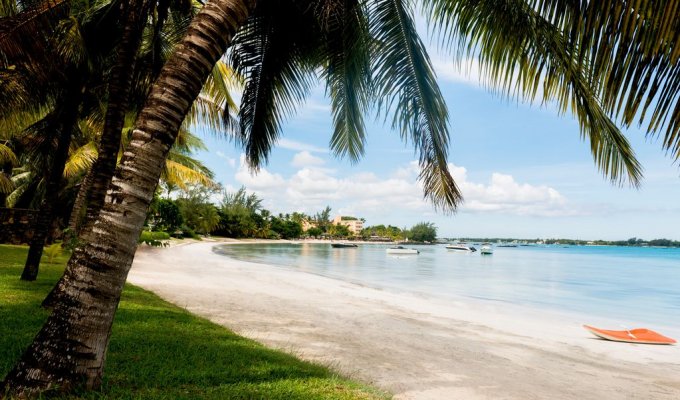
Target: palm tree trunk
{"points": [[42, 225], [93, 187], [120, 82], [70, 348], [78, 205]]}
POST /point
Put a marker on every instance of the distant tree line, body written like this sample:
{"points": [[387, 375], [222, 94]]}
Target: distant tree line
{"points": [[635, 242], [194, 212]]}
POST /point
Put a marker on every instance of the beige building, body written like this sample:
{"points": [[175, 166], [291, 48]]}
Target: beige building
{"points": [[354, 225], [306, 224]]}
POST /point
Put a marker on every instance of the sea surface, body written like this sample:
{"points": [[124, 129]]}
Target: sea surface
{"points": [[632, 285]]}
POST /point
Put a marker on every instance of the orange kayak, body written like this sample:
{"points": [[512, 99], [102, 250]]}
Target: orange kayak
{"points": [[640, 335]]}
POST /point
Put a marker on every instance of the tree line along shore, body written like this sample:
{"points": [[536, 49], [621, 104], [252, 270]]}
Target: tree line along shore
{"points": [[241, 215]]}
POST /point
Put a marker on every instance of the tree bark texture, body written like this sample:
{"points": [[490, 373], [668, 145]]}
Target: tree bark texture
{"points": [[66, 119], [70, 348], [79, 204]]}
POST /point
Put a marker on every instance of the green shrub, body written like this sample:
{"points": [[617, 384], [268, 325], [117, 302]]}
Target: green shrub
{"points": [[52, 251], [156, 239]]}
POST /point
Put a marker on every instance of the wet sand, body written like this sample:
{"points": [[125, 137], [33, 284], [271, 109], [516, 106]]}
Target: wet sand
{"points": [[414, 346]]}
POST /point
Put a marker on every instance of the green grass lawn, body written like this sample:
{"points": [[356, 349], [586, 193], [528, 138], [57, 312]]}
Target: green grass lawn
{"points": [[160, 351]]}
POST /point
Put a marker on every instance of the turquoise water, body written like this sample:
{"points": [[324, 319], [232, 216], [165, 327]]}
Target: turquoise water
{"points": [[632, 285]]}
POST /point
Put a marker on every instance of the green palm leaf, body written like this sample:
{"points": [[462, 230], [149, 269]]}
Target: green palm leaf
{"points": [[525, 55], [7, 155], [406, 83], [347, 73], [633, 48], [270, 51], [183, 176], [80, 161]]}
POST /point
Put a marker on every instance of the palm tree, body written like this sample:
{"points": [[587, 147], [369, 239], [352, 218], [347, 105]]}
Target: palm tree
{"points": [[574, 65], [53, 73], [133, 14]]}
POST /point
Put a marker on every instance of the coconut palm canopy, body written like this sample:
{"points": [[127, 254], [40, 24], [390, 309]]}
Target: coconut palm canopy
{"points": [[600, 62]]}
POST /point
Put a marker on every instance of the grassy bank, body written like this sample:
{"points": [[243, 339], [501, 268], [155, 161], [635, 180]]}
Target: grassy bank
{"points": [[160, 351]]}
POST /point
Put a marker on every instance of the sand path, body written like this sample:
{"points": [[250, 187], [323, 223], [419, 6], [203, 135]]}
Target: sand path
{"points": [[413, 346]]}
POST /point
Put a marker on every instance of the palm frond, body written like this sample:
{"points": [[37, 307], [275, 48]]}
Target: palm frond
{"points": [[187, 142], [24, 182], [633, 48], [6, 184], [184, 177], [7, 155], [525, 56], [25, 35], [406, 82], [347, 73], [215, 106], [269, 51], [80, 160], [70, 42]]}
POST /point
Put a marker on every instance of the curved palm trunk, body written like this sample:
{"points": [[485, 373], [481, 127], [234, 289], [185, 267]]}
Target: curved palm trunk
{"points": [[43, 222], [70, 348]]}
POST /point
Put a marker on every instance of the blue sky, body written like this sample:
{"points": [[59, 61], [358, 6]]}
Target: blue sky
{"points": [[523, 169]]}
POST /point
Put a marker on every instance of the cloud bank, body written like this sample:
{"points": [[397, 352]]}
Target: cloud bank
{"points": [[313, 186]]}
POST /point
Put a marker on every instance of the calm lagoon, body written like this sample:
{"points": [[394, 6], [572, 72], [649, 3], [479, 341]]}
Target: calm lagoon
{"points": [[631, 285]]}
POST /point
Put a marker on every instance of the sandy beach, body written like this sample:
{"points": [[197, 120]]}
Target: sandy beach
{"points": [[416, 347]]}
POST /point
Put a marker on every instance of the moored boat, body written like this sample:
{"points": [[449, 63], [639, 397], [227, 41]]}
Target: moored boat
{"points": [[460, 247], [401, 250], [343, 245], [486, 249]]}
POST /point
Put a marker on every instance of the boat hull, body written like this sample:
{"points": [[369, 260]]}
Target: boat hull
{"points": [[402, 251], [343, 245], [640, 335], [486, 250], [462, 249]]}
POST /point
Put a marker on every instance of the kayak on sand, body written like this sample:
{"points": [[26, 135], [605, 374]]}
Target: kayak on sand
{"points": [[640, 335]]}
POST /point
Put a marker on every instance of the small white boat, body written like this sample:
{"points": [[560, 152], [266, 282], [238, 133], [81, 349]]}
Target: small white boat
{"points": [[486, 248], [401, 250], [460, 247]]}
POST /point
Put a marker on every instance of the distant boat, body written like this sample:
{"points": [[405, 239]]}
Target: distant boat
{"points": [[343, 245], [486, 248], [506, 245], [401, 250], [460, 247]]}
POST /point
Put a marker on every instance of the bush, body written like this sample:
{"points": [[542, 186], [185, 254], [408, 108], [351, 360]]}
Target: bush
{"points": [[52, 251], [155, 239]]}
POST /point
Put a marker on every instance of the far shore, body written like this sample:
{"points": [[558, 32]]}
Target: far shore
{"points": [[415, 346]]}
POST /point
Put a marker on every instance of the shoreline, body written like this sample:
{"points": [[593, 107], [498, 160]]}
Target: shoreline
{"points": [[415, 346]]}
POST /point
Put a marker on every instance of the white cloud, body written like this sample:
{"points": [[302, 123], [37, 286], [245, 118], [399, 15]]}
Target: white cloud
{"points": [[312, 187], [300, 146], [258, 181], [306, 159]]}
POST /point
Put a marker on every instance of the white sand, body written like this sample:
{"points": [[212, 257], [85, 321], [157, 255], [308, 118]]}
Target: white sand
{"points": [[414, 346]]}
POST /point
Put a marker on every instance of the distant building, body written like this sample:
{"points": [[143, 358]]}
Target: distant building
{"points": [[307, 223], [355, 225]]}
